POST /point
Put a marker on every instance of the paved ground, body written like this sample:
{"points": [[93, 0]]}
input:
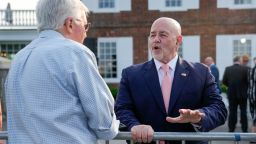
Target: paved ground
{"points": [[223, 128]]}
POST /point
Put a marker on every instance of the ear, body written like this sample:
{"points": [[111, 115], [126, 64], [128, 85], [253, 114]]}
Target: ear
{"points": [[68, 25], [179, 39]]}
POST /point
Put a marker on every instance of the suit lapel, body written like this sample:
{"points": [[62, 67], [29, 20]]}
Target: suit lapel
{"points": [[180, 77], [152, 81]]}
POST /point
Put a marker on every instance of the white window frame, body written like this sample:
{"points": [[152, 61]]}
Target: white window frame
{"points": [[190, 48], [120, 5], [124, 54], [225, 46], [230, 4], [185, 5], [108, 58]]}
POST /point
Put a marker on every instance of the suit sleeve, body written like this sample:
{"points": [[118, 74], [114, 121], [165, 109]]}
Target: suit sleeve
{"points": [[124, 106], [214, 108], [225, 81]]}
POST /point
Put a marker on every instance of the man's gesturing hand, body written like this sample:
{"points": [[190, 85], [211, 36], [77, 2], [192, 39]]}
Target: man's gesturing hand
{"points": [[187, 116], [142, 133]]}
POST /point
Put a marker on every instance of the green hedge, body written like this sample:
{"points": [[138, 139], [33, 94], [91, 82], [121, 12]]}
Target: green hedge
{"points": [[113, 90], [224, 88]]}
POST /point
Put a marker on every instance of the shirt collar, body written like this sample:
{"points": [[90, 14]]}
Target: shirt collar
{"points": [[172, 63]]}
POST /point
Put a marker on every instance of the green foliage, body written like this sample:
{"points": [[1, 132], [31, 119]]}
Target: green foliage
{"points": [[114, 91], [224, 88]]}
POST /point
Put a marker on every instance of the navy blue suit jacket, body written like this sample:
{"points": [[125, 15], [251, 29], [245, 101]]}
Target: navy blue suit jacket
{"points": [[215, 73], [140, 99]]}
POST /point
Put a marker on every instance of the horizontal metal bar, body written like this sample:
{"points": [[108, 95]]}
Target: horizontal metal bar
{"points": [[3, 135], [206, 136]]}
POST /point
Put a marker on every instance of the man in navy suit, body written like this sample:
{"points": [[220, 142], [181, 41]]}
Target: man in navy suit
{"points": [[194, 105], [214, 70]]}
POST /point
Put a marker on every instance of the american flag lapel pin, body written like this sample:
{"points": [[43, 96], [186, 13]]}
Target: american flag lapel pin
{"points": [[183, 74]]}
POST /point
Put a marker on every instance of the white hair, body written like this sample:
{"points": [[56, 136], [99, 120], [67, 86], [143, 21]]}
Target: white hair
{"points": [[51, 14]]}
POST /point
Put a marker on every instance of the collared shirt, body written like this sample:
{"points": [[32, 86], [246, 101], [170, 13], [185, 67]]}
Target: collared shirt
{"points": [[55, 95], [172, 65]]}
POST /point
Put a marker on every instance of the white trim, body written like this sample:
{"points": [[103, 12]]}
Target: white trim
{"points": [[224, 49], [230, 4], [18, 35], [124, 49], [191, 48]]}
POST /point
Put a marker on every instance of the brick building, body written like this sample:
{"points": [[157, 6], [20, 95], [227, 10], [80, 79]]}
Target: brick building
{"points": [[217, 28], [118, 37]]}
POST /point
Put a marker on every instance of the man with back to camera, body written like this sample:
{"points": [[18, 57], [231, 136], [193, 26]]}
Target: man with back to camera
{"points": [[236, 79], [54, 92], [168, 94]]}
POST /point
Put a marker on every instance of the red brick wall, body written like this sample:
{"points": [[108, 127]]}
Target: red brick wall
{"points": [[208, 21]]}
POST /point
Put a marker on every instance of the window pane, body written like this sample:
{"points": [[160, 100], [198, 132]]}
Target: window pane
{"points": [[241, 48], [106, 3], [107, 61], [10, 48], [173, 3]]}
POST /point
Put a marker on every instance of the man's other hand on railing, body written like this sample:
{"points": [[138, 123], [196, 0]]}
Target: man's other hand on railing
{"points": [[142, 133]]}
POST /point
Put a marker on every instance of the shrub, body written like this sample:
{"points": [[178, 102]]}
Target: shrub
{"points": [[224, 88], [114, 91]]}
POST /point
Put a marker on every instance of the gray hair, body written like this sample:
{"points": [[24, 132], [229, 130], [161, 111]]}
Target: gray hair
{"points": [[51, 14], [236, 59]]}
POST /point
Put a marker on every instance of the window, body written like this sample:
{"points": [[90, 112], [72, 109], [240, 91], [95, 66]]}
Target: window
{"points": [[242, 2], [114, 54], [241, 47], [236, 4], [106, 3], [172, 3], [228, 46], [107, 59], [9, 49], [91, 43], [108, 6]]}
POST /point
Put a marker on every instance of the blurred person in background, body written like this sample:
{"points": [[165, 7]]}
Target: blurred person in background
{"points": [[214, 70], [236, 79], [245, 60]]}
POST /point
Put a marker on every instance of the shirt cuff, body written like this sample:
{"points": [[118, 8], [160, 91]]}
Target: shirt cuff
{"points": [[107, 134]]}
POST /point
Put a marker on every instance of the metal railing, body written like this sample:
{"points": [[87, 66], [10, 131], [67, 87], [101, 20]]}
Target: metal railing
{"points": [[195, 136], [192, 136], [17, 19], [3, 135]]}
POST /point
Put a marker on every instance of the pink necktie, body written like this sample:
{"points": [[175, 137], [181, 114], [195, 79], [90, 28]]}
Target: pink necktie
{"points": [[166, 89], [166, 86]]}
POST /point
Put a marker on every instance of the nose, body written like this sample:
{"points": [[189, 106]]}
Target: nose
{"points": [[156, 39]]}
